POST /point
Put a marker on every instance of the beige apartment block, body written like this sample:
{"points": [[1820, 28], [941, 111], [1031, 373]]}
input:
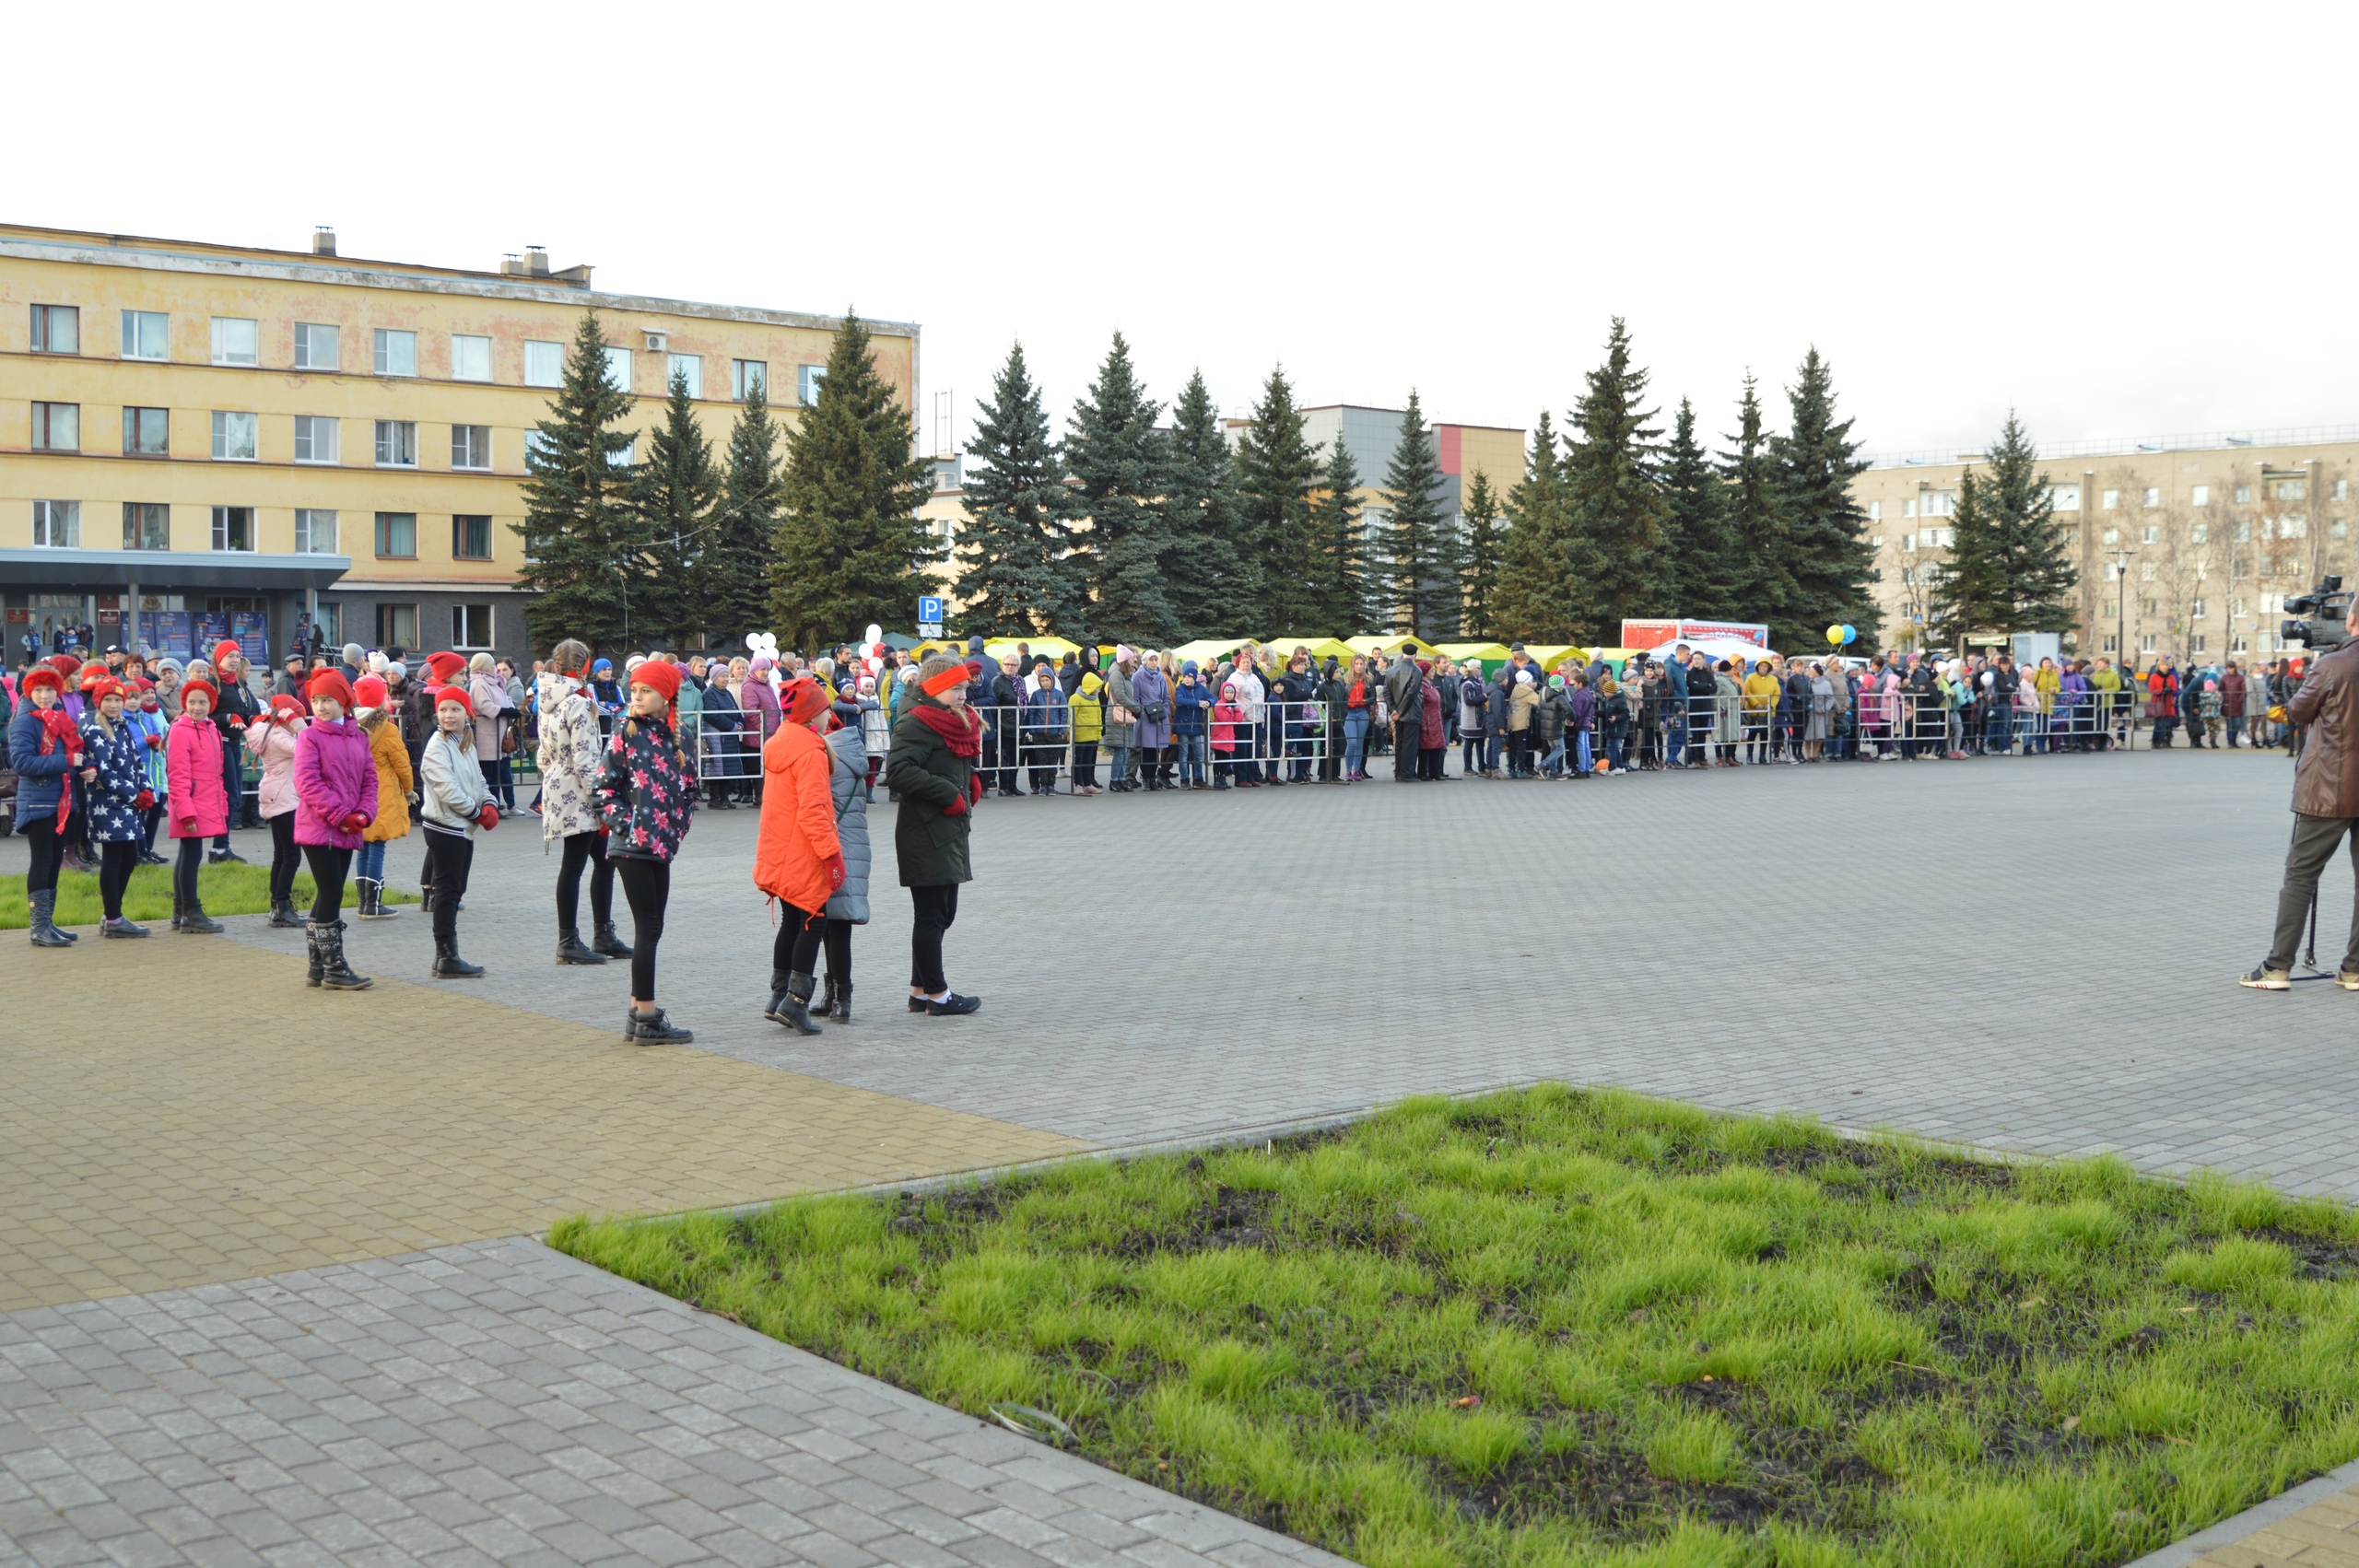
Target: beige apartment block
{"points": [[192, 432], [2186, 544]]}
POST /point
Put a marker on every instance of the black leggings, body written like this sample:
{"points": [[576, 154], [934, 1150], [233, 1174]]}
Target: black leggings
{"points": [[582, 850], [285, 859], [47, 841], [648, 885], [451, 854], [800, 937], [116, 862], [329, 866], [937, 908], [184, 869]]}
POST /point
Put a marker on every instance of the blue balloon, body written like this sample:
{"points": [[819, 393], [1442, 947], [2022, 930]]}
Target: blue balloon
{"points": [[1851, 632]]}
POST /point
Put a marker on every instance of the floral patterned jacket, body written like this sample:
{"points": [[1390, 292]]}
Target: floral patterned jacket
{"points": [[645, 791], [568, 758]]}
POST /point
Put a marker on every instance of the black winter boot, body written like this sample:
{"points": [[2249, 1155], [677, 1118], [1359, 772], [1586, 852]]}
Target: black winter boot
{"points": [[119, 925], [843, 1002], [789, 996], [335, 975], [827, 997], [607, 942], [196, 922], [652, 1028], [41, 905], [312, 947], [283, 914], [569, 949], [447, 965]]}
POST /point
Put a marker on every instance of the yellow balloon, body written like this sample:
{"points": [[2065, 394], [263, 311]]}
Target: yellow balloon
{"points": [[1834, 635]]}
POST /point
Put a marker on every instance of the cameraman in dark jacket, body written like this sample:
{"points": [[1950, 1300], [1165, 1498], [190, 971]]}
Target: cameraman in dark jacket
{"points": [[2326, 805]]}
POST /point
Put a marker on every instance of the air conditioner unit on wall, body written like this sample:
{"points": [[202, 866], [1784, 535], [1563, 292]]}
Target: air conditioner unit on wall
{"points": [[657, 342]]}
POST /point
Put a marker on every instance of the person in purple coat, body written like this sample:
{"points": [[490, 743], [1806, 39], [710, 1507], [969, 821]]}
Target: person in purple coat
{"points": [[335, 797]]}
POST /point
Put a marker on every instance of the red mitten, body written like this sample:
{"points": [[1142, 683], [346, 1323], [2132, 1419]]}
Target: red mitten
{"points": [[835, 864], [188, 827], [353, 822], [487, 818], [155, 742], [956, 808], [975, 788], [145, 799]]}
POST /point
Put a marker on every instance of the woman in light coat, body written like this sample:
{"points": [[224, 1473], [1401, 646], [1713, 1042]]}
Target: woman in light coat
{"points": [[1154, 741], [271, 738], [847, 906], [1726, 699], [453, 800], [495, 709], [1122, 721], [570, 747]]}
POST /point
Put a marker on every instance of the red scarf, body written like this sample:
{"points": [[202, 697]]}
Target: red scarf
{"points": [[959, 730], [61, 731]]}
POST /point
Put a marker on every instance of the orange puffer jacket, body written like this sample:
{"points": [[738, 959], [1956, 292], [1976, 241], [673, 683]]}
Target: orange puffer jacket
{"points": [[798, 820]]}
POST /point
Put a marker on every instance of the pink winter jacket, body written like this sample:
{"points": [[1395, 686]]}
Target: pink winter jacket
{"points": [[275, 745], [335, 776], [193, 769]]}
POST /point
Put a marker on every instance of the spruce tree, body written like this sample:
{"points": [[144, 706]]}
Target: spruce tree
{"points": [[1013, 579], [1481, 577], [1826, 529], [1969, 591], [850, 543], [677, 492], [1209, 582], [732, 589], [1764, 586], [1338, 577], [580, 532], [1619, 521], [1277, 467], [1705, 560], [1420, 563], [1535, 593], [2028, 548], [1118, 456]]}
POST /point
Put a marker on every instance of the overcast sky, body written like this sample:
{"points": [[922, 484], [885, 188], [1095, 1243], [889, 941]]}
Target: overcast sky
{"points": [[2121, 220]]}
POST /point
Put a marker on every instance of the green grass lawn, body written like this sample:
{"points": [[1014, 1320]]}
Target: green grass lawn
{"points": [[1558, 1326], [226, 890]]}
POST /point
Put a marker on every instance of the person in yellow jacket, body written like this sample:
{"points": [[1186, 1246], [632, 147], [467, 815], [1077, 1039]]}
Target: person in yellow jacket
{"points": [[1761, 690], [395, 782], [1088, 706]]}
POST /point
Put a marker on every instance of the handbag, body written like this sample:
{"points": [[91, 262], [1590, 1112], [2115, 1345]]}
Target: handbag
{"points": [[1158, 713], [508, 738]]}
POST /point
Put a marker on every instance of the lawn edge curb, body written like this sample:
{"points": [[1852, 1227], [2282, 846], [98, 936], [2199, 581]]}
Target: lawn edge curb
{"points": [[2259, 1516]]}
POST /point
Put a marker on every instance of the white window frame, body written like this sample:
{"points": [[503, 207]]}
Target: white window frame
{"points": [[620, 369], [309, 427], [692, 364], [2294, 525], [2064, 498], [253, 335], [308, 345], [135, 334], [2244, 495], [2112, 501], [2199, 533], [52, 519], [739, 378], [2200, 496], [476, 451], [460, 616], [234, 429], [221, 530], [2153, 496], [309, 522], [466, 348], [44, 331], [539, 359], [392, 348], [807, 383], [398, 436]]}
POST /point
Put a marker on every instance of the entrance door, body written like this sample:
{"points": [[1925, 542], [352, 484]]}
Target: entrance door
{"points": [[58, 618]]}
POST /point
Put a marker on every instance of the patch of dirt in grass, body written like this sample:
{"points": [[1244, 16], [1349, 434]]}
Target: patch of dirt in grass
{"points": [[1228, 1217], [2314, 1259]]}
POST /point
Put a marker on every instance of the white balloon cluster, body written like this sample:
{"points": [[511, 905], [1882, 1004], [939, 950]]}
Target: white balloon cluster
{"points": [[764, 645], [872, 648]]}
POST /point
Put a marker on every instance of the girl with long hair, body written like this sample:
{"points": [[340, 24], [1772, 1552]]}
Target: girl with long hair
{"points": [[570, 747], [118, 798], [335, 798], [453, 800], [395, 782]]}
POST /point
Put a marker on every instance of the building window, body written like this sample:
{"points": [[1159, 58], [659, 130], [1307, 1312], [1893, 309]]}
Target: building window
{"points": [[396, 353], [470, 626], [315, 346], [2111, 536], [2112, 644], [233, 528], [146, 432], [2146, 574], [2337, 529], [2149, 535], [2236, 644], [471, 539], [470, 445], [2195, 612], [314, 531], [618, 369], [233, 340], [2153, 496], [470, 358], [2146, 642], [396, 443], [57, 525], [233, 437], [2294, 527], [806, 386], [2195, 643], [146, 525], [2287, 489], [688, 368], [543, 364], [397, 626], [144, 333], [536, 445], [316, 437], [1908, 544], [2244, 531], [624, 456], [2065, 498], [2342, 489], [2199, 533], [747, 374], [2244, 494], [2110, 501], [57, 328], [1937, 538], [397, 535], [2201, 496], [57, 426], [1908, 577]]}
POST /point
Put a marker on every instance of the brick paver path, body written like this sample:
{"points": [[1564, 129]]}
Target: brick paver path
{"points": [[2034, 954]]}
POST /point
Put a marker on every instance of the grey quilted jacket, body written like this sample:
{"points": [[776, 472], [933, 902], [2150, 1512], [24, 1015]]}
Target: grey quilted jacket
{"points": [[849, 778]]}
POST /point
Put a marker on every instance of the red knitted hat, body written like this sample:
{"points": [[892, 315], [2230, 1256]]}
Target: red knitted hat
{"points": [[801, 700], [211, 695], [442, 666], [65, 664], [451, 694], [331, 684], [100, 690], [225, 649], [287, 702], [90, 675], [41, 676], [664, 678], [369, 691]]}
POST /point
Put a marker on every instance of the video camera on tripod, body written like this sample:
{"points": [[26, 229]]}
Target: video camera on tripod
{"points": [[2322, 611]]}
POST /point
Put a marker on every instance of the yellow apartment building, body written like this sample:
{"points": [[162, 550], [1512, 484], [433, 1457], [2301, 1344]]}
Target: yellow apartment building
{"points": [[2186, 544], [199, 440]]}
